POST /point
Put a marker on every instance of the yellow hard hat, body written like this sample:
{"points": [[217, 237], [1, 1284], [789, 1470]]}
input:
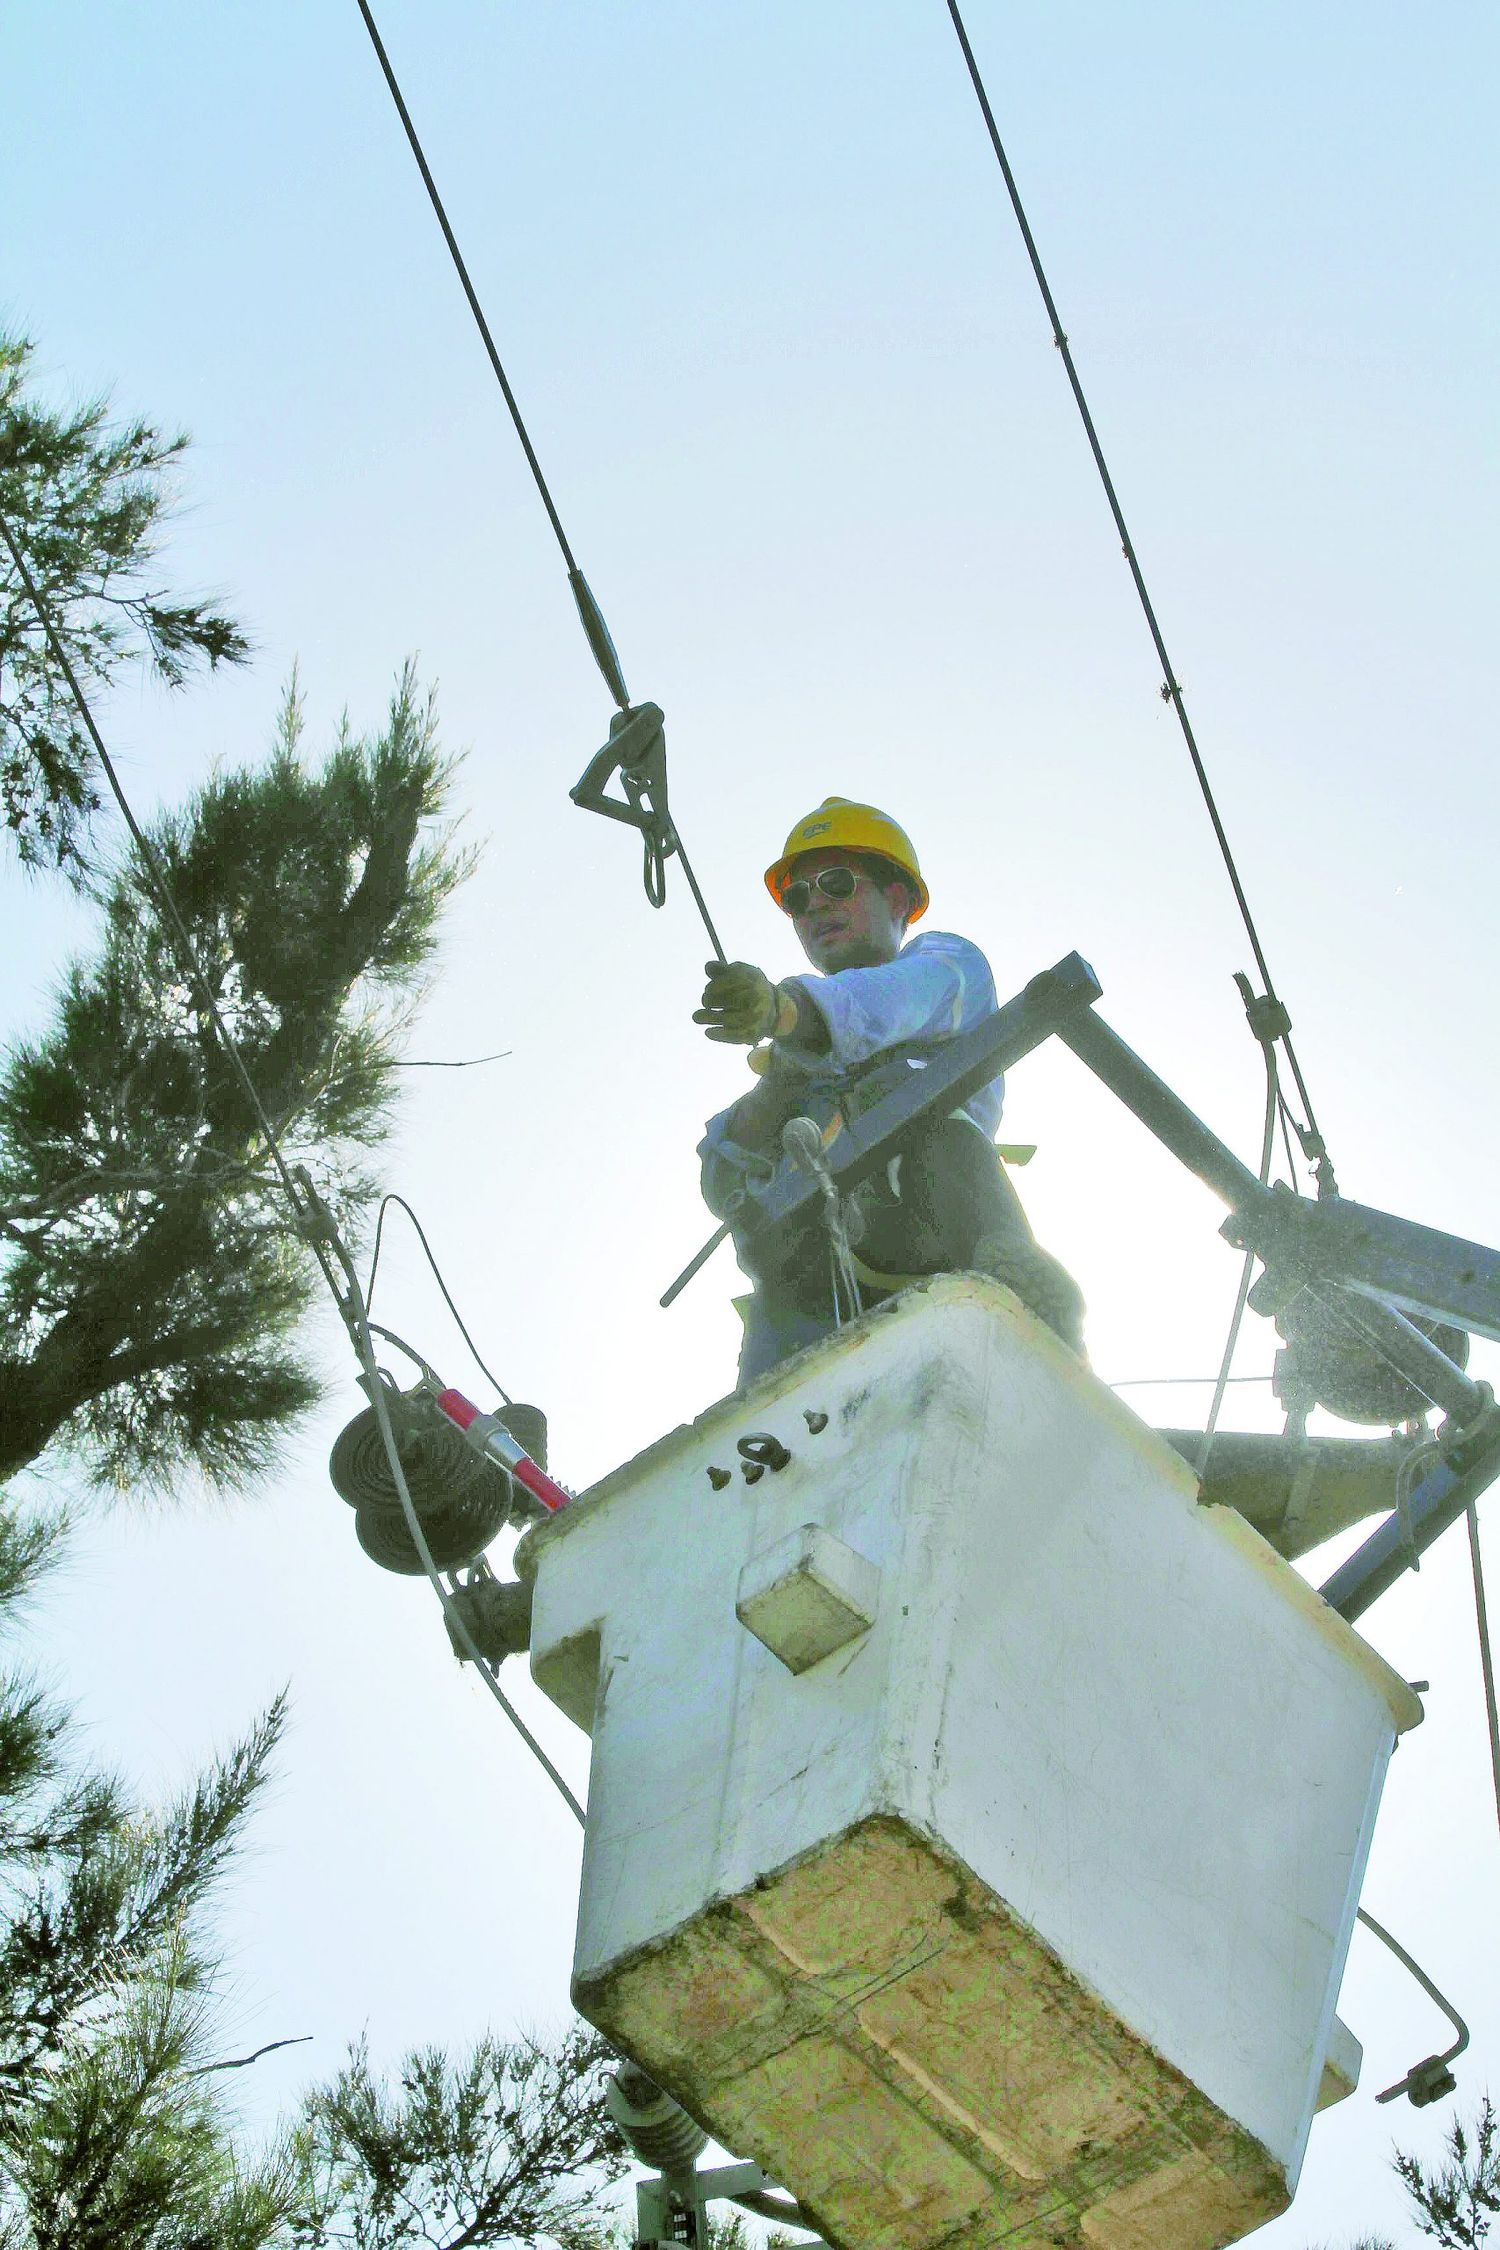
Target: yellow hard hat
{"points": [[841, 825]]}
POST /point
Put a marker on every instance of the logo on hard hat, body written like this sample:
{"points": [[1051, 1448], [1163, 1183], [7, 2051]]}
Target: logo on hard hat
{"points": [[816, 828]]}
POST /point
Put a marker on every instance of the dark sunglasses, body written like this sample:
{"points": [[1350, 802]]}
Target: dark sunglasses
{"points": [[833, 882]]}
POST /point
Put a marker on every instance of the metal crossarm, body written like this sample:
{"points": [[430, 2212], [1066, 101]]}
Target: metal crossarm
{"points": [[956, 1071], [1438, 1500], [1366, 1254]]}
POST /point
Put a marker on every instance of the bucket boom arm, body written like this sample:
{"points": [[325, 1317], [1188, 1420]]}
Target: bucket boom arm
{"points": [[1368, 1270]]}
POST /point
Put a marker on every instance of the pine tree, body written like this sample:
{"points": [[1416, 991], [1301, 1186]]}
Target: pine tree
{"points": [[507, 2144], [152, 1287], [111, 2137], [86, 500], [1457, 2202], [152, 1283]]}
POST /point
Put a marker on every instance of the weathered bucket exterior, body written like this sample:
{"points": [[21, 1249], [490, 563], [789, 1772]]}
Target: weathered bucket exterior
{"points": [[976, 1823]]}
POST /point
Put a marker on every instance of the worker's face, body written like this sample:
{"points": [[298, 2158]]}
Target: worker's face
{"points": [[862, 932]]}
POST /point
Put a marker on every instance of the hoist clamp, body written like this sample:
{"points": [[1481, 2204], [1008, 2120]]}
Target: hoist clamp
{"points": [[637, 752]]}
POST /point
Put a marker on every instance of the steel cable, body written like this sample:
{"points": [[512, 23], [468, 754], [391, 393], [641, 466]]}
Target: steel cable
{"points": [[1450, 2054], [1171, 691], [1486, 1654], [437, 1275], [314, 1225], [360, 1328], [1231, 1342], [658, 846], [469, 290]]}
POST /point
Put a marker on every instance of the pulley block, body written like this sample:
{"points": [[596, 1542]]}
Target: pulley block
{"points": [[1328, 1363]]}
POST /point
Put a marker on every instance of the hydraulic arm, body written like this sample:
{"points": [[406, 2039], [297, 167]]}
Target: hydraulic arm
{"points": [[1387, 1295]]}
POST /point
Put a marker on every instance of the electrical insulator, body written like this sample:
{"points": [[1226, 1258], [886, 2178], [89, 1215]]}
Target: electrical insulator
{"points": [[462, 1497], [656, 2130]]}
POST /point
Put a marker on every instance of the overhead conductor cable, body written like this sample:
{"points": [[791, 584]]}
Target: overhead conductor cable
{"points": [[1171, 692], [314, 1223], [643, 722]]}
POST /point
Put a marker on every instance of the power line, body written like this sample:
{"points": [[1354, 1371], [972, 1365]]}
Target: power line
{"points": [[437, 1275], [1413, 2081], [469, 290], [314, 1223], [663, 837], [1171, 691]]}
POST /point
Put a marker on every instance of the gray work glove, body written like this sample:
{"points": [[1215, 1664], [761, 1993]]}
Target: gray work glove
{"points": [[741, 1005]]}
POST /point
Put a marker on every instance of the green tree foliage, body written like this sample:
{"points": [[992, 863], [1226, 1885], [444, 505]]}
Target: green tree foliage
{"points": [[114, 2129], [731, 2231], [85, 499], [111, 2136], [151, 1284], [510, 2144], [1457, 2202]]}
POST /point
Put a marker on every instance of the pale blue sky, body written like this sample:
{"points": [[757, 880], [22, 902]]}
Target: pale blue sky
{"points": [[755, 281]]}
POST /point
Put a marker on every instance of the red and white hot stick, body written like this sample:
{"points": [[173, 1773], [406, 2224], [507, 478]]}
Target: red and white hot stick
{"points": [[488, 1434]]}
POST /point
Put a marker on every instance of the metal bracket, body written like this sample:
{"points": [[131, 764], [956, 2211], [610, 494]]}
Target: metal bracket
{"points": [[671, 2208], [1400, 1267], [1470, 1464], [1373, 1269]]}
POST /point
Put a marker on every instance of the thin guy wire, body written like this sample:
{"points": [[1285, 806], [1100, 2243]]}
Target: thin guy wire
{"points": [[437, 1275], [168, 904], [1174, 1382], [350, 1306], [1231, 1342], [468, 287], [1171, 692], [1286, 1142], [1486, 1654], [470, 1062]]}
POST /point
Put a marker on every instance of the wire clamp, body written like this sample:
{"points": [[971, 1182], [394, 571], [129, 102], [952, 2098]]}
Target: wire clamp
{"points": [[1265, 1014], [637, 752]]}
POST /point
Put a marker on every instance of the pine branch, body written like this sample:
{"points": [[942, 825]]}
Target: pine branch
{"points": [[243, 2062]]}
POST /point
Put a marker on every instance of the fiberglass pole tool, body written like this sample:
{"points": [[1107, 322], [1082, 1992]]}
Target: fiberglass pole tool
{"points": [[637, 745]]}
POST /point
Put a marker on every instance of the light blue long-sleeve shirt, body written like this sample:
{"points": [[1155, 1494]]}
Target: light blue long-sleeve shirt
{"points": [[937, 986]]}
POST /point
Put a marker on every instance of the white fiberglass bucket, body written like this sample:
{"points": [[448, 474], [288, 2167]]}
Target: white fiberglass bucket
{"points": [[976, 1823]]}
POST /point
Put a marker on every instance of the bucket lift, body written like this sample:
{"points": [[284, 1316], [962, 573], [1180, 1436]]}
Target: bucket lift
{"points": [[978, 1813]]}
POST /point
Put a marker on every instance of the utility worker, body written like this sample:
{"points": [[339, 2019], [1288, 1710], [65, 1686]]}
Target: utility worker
{"points": [[876, 1007]]}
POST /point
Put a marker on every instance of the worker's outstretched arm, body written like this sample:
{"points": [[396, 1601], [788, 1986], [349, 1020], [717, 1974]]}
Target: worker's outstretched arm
{"points": [[937, 986]]}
